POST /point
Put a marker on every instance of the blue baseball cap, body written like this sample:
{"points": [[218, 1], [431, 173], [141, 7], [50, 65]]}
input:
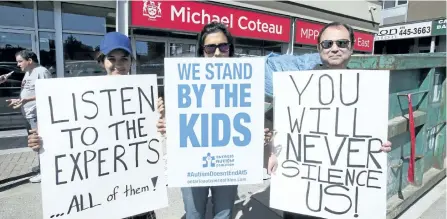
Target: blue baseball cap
{"points": [[115, 40]]}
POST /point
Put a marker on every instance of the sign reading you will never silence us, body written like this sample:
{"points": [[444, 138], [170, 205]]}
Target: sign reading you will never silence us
{"points": [[331, 125]]}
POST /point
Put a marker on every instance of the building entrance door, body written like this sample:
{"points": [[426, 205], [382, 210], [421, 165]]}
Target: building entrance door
{"points": [[12, 41], [150, 53]]}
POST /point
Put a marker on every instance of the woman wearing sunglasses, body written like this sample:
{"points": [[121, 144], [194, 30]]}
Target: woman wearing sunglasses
{"points": [[116, 59], [335, 45], [214, 41]]}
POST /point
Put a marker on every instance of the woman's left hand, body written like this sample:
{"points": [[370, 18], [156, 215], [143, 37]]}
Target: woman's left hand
{"points": [[386, 147]]}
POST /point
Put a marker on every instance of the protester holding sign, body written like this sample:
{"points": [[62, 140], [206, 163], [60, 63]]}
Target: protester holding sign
{"points": [[215, 41], [115, 57], [335, 45]]}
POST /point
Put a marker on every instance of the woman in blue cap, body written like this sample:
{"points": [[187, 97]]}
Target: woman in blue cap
{"points": [[116, 58]]}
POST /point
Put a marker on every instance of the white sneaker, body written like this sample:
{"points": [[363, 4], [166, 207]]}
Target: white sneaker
{"points": [[35, 179]]}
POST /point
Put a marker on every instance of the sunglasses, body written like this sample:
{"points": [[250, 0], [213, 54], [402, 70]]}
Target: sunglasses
{"points": [[326, 44], [211, 48]]}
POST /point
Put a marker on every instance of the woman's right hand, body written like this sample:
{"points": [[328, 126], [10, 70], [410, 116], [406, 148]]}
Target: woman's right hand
{"points": [[34, 140], [161, 124]]}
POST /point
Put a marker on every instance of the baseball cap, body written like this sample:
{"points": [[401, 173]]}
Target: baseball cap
{"points": [[115, 40]]}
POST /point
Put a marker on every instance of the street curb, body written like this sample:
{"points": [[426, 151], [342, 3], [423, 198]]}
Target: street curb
{"points": [[15, 150], [397, 206]]}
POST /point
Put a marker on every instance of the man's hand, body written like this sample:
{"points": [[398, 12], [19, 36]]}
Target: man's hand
{"points": [[34, 140], [2, 79], [15, 103]]}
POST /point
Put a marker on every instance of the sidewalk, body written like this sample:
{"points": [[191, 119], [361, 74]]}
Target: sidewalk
{"points": [[16, 162]]}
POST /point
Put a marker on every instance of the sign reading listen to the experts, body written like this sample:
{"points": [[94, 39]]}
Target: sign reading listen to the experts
{"points": [[101, 154], [214, 121]]}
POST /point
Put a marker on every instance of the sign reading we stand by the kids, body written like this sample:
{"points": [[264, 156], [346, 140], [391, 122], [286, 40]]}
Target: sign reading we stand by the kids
{"points": [[214, 121]]}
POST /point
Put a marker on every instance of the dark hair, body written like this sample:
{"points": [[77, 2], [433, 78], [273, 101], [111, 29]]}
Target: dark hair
{"points": [[100, 57], [214, 27], [26, 54], [335, 24]]}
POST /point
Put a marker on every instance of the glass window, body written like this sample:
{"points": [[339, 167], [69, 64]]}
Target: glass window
{"points": [[10, 43], [246, 51], [17, 13], [150, 60], [402, 2], [304, 50], [47, 52], [86, 18], [389, 4], [182, 50], [45, 15], [274, 49], [80, 52]]}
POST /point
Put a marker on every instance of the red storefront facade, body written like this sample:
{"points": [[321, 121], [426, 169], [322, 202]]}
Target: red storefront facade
{"points": [[160, 29], [306, 33]]}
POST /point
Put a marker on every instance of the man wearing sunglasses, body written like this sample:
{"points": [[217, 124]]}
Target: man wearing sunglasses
{"points": [[335, 45]]}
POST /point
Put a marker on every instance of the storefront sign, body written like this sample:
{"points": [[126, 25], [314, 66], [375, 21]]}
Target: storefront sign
{"points": [[438, 27], [404, 31], [363, 41], [191, 16], [307, 33]]}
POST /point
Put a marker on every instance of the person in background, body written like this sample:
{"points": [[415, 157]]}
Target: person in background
{"points": [[115, 57], [28, 63], [335, 45], [215, 41]]}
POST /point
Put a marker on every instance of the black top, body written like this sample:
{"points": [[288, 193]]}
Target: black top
{"points": [[322, 67]]}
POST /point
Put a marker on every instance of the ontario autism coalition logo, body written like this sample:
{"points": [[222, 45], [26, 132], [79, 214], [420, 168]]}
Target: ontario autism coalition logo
{"points": [[218, 161]]}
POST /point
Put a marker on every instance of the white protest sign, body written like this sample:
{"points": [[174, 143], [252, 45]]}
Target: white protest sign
{"points": [[101, 157], [214, 121], [331, 125]]}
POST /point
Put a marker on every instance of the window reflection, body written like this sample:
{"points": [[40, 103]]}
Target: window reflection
{"points": [[48, 52], [80, 52], [45, 15], [15, 13], [150, 57], [304, 50], [150, 60], [10, 43], [86, 18], [182, 50], [244, 51]]}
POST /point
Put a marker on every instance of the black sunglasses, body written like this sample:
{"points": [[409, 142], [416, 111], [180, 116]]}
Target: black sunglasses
{"points": [[211, 48], [326, 44]]}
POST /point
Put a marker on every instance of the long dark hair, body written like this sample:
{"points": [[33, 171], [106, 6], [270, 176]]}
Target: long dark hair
{"points": [[214, 27]]}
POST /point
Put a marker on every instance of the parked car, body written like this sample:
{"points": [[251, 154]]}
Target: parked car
{"points": [[83, 68]]}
